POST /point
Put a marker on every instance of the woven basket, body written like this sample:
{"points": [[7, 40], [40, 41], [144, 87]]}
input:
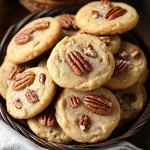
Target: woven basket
{"points": [[24, 130], [40, 5]]}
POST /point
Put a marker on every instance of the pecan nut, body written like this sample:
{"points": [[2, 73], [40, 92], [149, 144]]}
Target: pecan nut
{"points": [[22, 39], [47, 118], [136, 53], [41, 25], [23, 80], [67, 21], [14, 70], [89, 51], [129, 97], [105, 39], [18, 104], [98, 104], [74, 101], [105, 3], [94, 14], [114, 12], [122, 54], [31, 96], [84, 122], [120, 67], [77, 63], [42, 78]]}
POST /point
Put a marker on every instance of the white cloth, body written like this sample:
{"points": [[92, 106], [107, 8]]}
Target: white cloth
{"points": [[12, 140]]}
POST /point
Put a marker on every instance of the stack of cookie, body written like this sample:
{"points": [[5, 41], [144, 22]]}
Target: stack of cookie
{"points": [[91, 81]]}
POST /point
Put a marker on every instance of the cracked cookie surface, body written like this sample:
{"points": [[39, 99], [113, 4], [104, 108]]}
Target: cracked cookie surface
{"points": [[81, 62], [91, 18], [76, 115], [30, 93], [33, 39], [130, 65]]}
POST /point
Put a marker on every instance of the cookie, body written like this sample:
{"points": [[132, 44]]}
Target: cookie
{"points": [[87, 117], [144, 76], [81, 62], [33, 39], [104, 18], [68, 24], [112, 42], [130, 65], [131, 100], [8, 72], [30, 93], [46, 127], [43, 63]]}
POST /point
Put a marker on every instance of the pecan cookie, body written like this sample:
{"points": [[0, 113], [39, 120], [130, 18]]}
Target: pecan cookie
{"points": [[32, 40], [46, 127], [30, 93], [104, 17], [68, 24], [131, 100], [81, 62], [130, 65], [87, 117], [8, 72], [112, 41]]}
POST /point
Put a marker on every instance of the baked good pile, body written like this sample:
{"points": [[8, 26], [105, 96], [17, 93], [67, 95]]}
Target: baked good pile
{"points": [[73, 77]]}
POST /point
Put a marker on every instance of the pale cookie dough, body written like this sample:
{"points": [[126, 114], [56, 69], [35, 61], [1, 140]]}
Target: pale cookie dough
{"points": [[30, 93], [130, 65], [8, 72], [81, 62], [91, 18], [79, 121], [33, 39], [46, 127], [43, 63], [68, 24], [131, 100], [112, 42]]}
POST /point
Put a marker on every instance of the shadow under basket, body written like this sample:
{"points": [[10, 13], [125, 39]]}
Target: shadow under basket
{"points": [[130, 129]]}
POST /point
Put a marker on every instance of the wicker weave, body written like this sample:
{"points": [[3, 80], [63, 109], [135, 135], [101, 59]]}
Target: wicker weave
{"points": [[24, 130]]}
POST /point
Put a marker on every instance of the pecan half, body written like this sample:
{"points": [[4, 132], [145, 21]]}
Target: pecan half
{"points": [[22, 39], [23, 80], [18, 104], [31, 96], [98, 104], [74, 101], [77, 63], [94, 14], [122, 54], [88, 50], [84, 122], [14, 70], [47, 118], [114, 12], [129, 97], [105, 3], [105, 39], [136, 53], [41, 25], [120, 67], [67, 21], [42, 78]]}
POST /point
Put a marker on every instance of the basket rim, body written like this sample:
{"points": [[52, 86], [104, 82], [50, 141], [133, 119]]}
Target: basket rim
{"points": [[135, 127]]}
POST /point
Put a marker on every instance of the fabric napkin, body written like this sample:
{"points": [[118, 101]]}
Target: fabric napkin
{"points": [[12, 140]]}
